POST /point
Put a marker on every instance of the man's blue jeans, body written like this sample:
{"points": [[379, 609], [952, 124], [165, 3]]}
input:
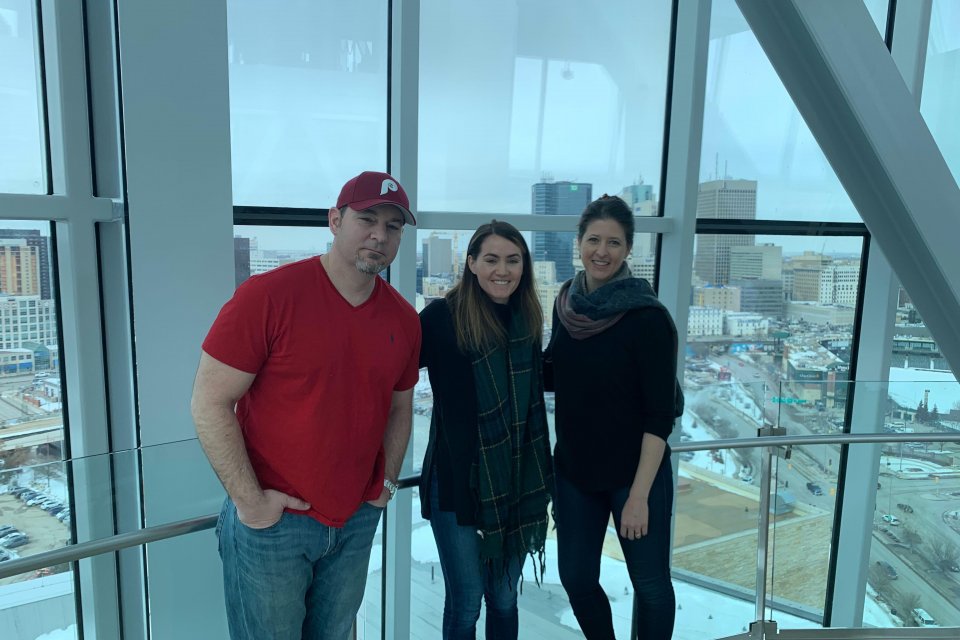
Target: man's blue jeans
{"points": [[468, 582], [296, 579]]}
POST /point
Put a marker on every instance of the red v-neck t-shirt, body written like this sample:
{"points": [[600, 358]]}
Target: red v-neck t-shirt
{"points": [[314, 418]]}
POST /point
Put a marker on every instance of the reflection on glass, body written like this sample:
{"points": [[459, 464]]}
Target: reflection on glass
{"points": [[22, 166], [502, 92], [753, 131], [940, 101], [308, 98]]}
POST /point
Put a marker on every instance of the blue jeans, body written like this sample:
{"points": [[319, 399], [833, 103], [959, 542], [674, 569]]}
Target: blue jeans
{"points": [[296, 579], [467, 581], [582, 518]]}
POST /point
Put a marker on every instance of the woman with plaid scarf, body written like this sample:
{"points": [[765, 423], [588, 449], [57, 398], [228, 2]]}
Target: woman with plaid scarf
{"points": [[487, 469], [613, 359]]}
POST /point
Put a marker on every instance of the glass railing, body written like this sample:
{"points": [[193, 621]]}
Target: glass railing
{"points": [[910, 534]]}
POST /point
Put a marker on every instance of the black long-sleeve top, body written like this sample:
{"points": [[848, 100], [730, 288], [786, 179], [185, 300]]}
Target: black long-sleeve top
{"points": [[453, 443], [611, 388]]}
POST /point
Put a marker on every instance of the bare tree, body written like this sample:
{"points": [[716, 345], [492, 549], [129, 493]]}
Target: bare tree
{"points": [[906, 603], [945, 554], [880, 580], [911, 537]]}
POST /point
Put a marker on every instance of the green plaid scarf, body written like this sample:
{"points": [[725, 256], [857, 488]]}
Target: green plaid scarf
{"points": [[513, 469]]}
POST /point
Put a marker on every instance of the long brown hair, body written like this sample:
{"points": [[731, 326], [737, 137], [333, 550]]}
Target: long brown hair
{"points": [[474, 318]]}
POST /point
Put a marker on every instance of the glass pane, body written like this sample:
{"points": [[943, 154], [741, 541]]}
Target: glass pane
{"points": [[804, 495], [258, 249], [915, 548], [22, 148], [940, 100], [767, 308], [752, 131], [308, 98], [544, 610], [502, 92]]}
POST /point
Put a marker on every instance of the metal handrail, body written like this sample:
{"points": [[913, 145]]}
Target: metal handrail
{"points": [[83, 550]]}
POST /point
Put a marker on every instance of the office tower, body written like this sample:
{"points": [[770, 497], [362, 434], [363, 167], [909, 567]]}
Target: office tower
{"points": [[241, 259], [19, 268], [558, 199], [725, 200], [763, 262], [42, 244], [640, 199], [805, 275], [437, 256], [763, 297], [839, 283]]}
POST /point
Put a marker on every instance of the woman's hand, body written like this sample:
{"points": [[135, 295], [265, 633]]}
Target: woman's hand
{"points": [[635, 518]]}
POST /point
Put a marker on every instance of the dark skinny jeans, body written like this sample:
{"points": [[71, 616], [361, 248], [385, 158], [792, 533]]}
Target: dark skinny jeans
{"points": [[582, 518]]}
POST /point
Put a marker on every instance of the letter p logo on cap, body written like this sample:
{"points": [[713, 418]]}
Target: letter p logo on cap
{"points": [[387, 185]]}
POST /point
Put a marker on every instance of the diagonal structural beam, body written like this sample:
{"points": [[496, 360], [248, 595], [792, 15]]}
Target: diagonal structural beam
{"points": [[843, 80]]}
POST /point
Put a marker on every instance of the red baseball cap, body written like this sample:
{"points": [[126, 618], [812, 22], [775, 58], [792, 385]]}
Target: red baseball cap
{"points": [[371, 188]]}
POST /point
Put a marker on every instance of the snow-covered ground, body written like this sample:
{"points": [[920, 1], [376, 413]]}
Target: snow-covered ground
{"points": [[907, 387], [701, 613]]}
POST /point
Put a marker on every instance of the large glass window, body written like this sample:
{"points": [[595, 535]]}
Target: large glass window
{"points": [[22, 139], [940, 101], [35, 496], [308, 98], [518, 95], [915, 541], [753, 131]]}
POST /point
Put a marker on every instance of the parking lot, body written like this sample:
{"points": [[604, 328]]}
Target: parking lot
{"points": [[45, 532]]}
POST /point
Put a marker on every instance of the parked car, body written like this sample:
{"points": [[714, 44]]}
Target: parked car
{"points": [[814, 488], [888, 569], [923, 619], [35, 500], [55, 509], [14, 540], [904, 507], [29, 494], [7, 529], [6, 554], [19, 490], [889, 518]]}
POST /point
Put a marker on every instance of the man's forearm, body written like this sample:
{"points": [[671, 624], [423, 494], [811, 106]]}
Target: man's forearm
{"points": [[396, 437], [222, 441]]}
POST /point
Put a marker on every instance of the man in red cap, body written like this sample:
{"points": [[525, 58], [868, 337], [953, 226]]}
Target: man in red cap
{"points": [[303, 405]]}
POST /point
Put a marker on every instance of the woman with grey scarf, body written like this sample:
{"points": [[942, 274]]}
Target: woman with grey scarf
{"points": [[613, 354]]}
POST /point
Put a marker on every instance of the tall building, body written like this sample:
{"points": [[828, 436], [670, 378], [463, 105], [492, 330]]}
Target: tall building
{"points": [[437, 255], [763, 297], [42, 245], [839, 283], [760, 262], [640, 199], [558, 199], [241, 259], [805, 275], [19, 268], [717, 297], [725, 200]]}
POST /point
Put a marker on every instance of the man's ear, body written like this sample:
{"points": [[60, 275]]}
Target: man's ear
{"points": [[334, 217]]}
